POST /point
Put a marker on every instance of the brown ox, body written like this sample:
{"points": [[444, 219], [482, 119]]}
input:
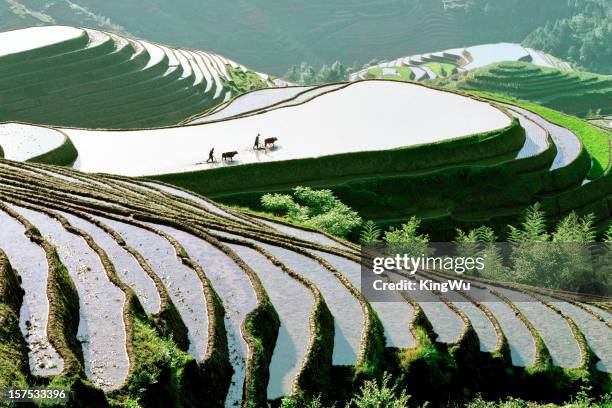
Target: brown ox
{"points": [[228, 155], [270, 141]]}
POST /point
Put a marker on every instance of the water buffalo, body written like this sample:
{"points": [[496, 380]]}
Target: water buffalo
{"points": [[270, 141], [228, 155]]}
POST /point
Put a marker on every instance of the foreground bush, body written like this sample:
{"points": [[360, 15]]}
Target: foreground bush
{"points": [[318, 209]]}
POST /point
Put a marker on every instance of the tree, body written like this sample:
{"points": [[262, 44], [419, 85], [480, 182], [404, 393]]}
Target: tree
{"points": [[481, 242], [305, 74], [575, 229], [608, 235], [370, 233], [407, 239], [407, 233], [533, 227]]}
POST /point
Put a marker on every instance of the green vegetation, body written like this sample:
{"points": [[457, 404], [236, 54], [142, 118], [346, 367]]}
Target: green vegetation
{"points": [[64, 155], [441, 69], [305, 74], [159, 362], [406, 234], [318, 209], [370, 233], [14, 368], [242, 81], [115, 82], [557, 259], [576, 93], [581, 400], [163, 374], [582, 39], [373, 395], [393, 184], [399, 73], [596, 141]]}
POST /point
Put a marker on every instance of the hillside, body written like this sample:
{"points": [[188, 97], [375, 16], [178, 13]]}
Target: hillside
{"points": [[129, 282], [123, 284], [272, 35], [67, 76], [576, 93], [401, 160], [441, 64]]}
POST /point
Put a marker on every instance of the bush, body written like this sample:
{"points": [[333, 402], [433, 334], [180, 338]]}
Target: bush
{"points": [[373, 395], [318, 209], [533, 227], [407, 233], [370, 233]]}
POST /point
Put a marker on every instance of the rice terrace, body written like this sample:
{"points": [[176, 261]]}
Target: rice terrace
{"points": [[178, 229]]}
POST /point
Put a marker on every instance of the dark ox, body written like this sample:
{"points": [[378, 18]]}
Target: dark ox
{"points": [[228, 155], [270, 141]]}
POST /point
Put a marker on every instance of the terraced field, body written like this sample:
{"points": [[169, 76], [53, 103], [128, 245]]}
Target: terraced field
{"points": [[537, 154], [123, 272], [165, 152], [133, 292], [77, 77], [435, 65], [541, 155], [577, 93]]}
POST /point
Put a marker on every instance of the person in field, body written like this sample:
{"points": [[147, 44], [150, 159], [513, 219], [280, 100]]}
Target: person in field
{"points": [[256, 144], [211, 157]]}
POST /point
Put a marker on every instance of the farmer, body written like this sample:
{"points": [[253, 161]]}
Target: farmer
{"points": [[256, 144], [211, 158]]}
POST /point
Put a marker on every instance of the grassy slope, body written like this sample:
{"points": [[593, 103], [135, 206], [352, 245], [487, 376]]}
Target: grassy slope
{"points": [[440, 69], [571, 92], [595, 140]]}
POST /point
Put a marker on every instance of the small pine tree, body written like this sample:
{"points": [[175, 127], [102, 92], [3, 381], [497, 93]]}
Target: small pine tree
{"points": [[370, 233], [533, 227], [608, 235], [407, 233], [575, 229]]}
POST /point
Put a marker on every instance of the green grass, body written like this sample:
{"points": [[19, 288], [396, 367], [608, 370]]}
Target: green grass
{"points": [[13, 363], [595, 140], [160, 362], [577, 93], [243, 81], [441, 69], [375, 71], [405, 73]]}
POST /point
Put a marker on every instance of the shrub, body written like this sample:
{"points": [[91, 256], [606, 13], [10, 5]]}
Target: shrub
{"points": [[481, 241], [373, 395], [283, 204], [608, 235], [370, 233], [566, 262], [407, 233], [575, 229], [533, 227], [301, 402], [319, 209]]}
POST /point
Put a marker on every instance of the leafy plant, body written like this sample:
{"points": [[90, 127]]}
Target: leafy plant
{"points": [[575, 229], [370, 233], [533, 227], [302, 402], [319, 209], [373, 395], [407, 233], [608, 235], [481, 242], [305, 74]]}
